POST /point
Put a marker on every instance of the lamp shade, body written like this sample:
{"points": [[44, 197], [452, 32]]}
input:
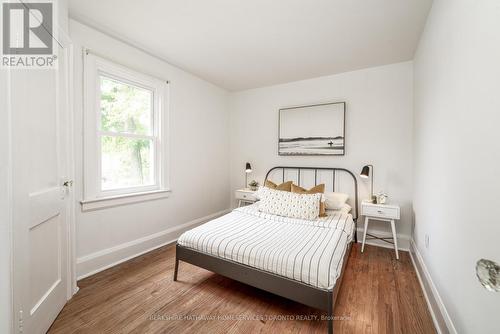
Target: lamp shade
{"points": [[365, 172], [248, 168]]}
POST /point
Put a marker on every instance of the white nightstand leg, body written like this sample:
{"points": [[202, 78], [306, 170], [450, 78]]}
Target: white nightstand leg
{"points": [[239, 203], [393, 226], [364, 234]]}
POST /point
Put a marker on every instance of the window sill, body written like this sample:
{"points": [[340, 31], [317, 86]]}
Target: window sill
{"points": [[119, 200]]}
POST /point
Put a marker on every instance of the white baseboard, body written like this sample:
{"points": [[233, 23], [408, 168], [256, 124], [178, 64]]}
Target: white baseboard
{"points": [[440, 316], [93, 263], [403, 240]]}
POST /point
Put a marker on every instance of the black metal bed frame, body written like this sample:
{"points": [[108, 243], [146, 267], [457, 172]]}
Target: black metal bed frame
{"points": [[323, 299]]}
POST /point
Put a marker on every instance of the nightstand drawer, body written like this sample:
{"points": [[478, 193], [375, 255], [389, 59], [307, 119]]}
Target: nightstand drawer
{"points": [[380, 211], [244, 195]]}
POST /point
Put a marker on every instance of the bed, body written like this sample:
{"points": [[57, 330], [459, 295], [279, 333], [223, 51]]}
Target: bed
{"points": [[297, 259]]}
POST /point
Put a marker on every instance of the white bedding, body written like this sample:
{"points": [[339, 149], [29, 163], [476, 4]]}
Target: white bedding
{"points": [[307, 251]]}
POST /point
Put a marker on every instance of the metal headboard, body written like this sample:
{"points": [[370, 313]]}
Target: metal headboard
{"points": [[334, 170]]}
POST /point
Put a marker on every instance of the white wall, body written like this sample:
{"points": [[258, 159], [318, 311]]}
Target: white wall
{"points": [[456, 155], [378, 130], [199, 154]]}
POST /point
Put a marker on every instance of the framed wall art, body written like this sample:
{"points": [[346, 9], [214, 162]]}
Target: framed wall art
{"points": [[317, 129]]}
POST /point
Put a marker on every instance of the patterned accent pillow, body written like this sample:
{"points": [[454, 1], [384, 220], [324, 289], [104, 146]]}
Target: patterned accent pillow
{"points": [[319, 189], [288, 204]]}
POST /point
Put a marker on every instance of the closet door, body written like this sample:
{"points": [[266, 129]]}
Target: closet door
{"points": [[41, 189]]}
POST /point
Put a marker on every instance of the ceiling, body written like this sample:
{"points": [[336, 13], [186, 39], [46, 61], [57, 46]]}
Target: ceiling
{"points": [[238, 44]]}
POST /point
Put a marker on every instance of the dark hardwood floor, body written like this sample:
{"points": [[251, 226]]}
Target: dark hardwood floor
{"points": [[379, 295]]}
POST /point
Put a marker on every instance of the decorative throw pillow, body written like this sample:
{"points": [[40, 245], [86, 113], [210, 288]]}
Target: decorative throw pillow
{"points": [[319, 189], [335, 201], [288, 204], [285, 186]]}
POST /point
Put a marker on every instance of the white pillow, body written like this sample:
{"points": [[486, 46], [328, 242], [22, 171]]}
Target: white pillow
{"points": [[288, 204], [335, 201], [345, 209]]}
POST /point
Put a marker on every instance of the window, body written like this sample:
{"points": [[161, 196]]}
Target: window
{"points": [[124, 135]]}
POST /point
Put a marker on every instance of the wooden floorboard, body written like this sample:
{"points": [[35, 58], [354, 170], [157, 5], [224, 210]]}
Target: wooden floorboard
{"points": [[379, 294]]}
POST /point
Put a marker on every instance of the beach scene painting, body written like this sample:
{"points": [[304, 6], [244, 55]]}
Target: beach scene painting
{"points": [[312, 130]]}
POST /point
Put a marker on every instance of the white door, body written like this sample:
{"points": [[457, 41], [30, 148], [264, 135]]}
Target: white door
{"points": [[41, 202]]}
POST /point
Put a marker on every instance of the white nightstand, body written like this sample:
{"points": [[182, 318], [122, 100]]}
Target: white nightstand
{"points": [[382, 212], [245, 196]]}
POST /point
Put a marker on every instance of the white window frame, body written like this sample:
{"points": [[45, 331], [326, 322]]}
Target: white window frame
{"points": [[94, 196]]}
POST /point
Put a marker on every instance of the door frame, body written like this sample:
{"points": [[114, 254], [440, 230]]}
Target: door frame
{"points": [[70, 157], [68, 104], [9, 224]]}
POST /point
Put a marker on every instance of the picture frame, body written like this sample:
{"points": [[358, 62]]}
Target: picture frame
{"points": [[312, 130]]}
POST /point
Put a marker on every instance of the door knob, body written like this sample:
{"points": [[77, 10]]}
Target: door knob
{"points": [[488, 273], [68, 183]]}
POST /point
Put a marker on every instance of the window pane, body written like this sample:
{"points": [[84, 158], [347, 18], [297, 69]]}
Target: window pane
{"points": [[125, 108], [126, 162]]}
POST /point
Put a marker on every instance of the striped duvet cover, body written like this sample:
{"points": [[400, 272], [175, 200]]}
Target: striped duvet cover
{"points": [[311, 252]]}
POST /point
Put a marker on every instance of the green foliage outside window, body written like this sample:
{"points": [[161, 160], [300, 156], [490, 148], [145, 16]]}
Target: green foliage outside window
{"points": [[126, 161]]}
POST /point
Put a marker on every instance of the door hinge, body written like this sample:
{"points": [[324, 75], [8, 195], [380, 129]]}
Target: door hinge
{"points": [[20, 322]]}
